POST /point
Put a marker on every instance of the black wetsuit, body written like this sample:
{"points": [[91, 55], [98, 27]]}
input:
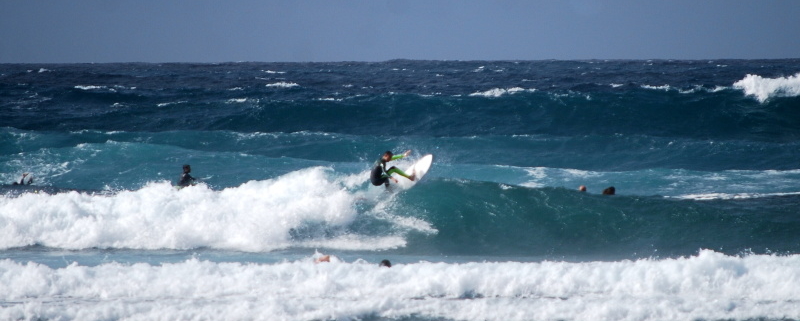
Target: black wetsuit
{"points": [[377, 177], [22, 181], [186, 180], [380, 175]]}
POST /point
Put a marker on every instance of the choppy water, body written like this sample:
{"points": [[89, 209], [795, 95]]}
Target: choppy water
{"points": [[702, 154]]}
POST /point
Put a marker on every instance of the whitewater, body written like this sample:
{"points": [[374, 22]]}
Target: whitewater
{"points": [[284, 224]]}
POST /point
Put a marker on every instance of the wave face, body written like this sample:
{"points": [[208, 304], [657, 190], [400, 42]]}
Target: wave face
{"points": [[703, 156]]}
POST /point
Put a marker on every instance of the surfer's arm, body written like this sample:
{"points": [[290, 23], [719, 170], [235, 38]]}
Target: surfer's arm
{"points": [[405, 154]]}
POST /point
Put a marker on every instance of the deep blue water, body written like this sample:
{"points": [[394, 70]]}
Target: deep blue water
{"points": [[703, 155]]}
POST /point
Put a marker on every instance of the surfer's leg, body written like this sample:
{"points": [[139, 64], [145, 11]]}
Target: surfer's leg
{"points": [[400, 172]]}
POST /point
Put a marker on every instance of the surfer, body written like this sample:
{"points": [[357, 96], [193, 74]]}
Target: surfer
{"points": [[380, 175], [186, 179], [582, 188], [22, 180]]}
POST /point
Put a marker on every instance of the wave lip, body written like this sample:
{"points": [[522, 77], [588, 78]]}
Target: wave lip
{"points": [[765, 88], [256, 216], [309, 208]]}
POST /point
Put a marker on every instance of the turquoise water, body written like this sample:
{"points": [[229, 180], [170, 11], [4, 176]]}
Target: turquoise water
{"points": [[702, 155]]}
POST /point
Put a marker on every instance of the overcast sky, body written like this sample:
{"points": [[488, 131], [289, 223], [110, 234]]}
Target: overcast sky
{"points": [[375, 30]]}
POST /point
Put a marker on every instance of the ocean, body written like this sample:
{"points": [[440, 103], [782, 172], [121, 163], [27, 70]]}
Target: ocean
{"points": [[703, 155]]}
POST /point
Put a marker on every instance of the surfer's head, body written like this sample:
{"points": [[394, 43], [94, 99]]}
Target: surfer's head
{"points": [[387, 156], [187, 168], [385, 263]]}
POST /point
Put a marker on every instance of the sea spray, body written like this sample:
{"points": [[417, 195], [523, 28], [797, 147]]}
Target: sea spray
{"points": [[742, 287], [255, 216], [703, 155]]}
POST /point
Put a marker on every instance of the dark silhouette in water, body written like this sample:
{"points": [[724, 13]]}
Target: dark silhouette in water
{"points": [[381, 176], [186, 179], [22, 180]]}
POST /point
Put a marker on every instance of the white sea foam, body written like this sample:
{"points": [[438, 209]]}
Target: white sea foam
{"points": [[709, 286], [283, 84], [172, 103], [687, 90], [256, 216], [242, 100], [94, 88], [730, 196], [662, 87], [670, 183], [764, 88], [543, 176], [498, 92]]}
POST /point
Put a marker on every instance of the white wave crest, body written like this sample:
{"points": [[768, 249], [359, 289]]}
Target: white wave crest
{"points": [[256, 216], [88, 88], [172, 103], [730, 196], [709, 286], [283, 84], [498, 92], [764, 88], [662, 87], [242, 100]]}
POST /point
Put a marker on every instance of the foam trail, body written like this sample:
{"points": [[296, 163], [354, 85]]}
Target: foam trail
{"points": [[256, 216], [709, 286]]}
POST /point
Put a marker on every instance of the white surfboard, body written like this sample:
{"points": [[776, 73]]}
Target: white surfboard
{"points": [[419, 168]]}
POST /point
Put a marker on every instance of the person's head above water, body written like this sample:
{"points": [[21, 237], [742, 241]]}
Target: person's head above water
{"points": [[187, 168], [385, 263]]}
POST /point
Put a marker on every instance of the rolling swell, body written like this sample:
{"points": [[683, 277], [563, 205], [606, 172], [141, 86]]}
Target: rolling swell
{"points": [[479, 218], [666, 128], [702, 115], [641, 165], [406, 98]]}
